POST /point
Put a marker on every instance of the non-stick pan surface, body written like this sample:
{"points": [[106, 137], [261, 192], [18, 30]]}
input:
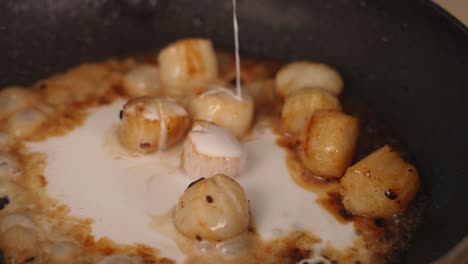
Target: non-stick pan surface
{"points": [[408, 60]]}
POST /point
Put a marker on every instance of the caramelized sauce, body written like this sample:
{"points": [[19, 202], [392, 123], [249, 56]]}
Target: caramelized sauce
{"points": [[333, 204], [373, 135]]}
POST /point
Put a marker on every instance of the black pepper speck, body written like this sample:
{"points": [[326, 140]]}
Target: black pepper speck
{"points": [[390, 195], [379, 222], [4, 201], [344, 213]]}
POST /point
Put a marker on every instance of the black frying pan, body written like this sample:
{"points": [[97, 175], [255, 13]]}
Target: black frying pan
{"points": [[408, 60]]}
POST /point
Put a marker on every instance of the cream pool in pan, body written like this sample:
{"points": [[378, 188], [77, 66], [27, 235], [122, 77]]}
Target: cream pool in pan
{"points": [[122, 194]]}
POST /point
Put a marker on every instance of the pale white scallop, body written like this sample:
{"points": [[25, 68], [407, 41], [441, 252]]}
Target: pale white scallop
{"points": [[225, 108], [142, 80], [210, 149], [301, 74]]}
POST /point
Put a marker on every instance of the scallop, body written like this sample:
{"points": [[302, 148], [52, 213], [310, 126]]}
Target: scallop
{"points": [[297, 75], [17, 219], [262, 91], [25, 122], [9, 195], [315, 260], [213, 209], [302, 104], [250, 70], [85, 82], [6, 141], [21, 245], [10, 167], [63, 252], [117, 259], [233, 246], [142, 80], [209, 150], [187, 66], [56, 91], [47, 109], [13, 99], [152, 123], [224, 108], [327, 144], [380, 185]]}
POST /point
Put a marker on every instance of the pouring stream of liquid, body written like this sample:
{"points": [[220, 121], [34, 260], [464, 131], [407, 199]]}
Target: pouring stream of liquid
{"points": [[236, 44]]}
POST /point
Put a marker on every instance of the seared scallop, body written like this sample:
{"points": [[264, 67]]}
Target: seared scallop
{"points": [[25, 122], [209, 150], [152, 123], [380, 185], [10, 167], [21, 219], [118, 259], [297, 75], [10, 196], [142, 80], [302, 104], [224, 108], [6, 141], [20, 244], [63, 252], [85, 82], [327, 144], [13, 99], [214, 209], [187, 66], [262, 92]]}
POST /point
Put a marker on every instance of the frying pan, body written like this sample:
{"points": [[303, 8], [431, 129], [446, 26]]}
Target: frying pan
{"points": [[407, 60]]}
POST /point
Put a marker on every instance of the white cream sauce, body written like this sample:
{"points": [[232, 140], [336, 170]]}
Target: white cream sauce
{"points": [[120, 194]]}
